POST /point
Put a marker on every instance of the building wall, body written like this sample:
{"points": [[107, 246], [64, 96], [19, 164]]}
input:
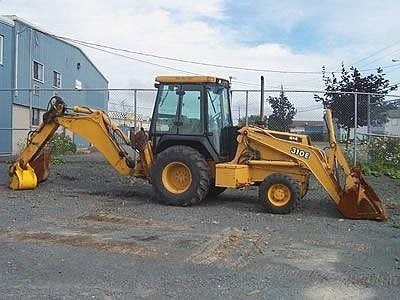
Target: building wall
{"points": [[6, 82], [76, 69], [56, 55]]}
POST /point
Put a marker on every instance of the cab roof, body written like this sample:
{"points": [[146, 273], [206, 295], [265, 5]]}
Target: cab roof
{"points": [[190, 79]]}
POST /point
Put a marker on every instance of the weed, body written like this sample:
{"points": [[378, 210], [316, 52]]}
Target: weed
{"points": [[61, 145]]}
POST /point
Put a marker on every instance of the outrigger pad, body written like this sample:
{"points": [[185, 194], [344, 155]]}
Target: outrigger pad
{"points": [[361, 202], [23, 179]]}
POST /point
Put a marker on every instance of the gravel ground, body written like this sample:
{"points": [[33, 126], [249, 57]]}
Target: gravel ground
{"points": [[87, 232]]}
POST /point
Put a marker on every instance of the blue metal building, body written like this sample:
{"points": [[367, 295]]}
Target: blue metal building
{"points": [[35, 65]]}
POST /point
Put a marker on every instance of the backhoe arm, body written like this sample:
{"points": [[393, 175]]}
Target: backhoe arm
{"points": [[22, 174], [96, 127], [93, 125]]}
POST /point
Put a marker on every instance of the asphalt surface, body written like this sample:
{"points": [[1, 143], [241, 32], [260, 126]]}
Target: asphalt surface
{"points": [[89, 233]]}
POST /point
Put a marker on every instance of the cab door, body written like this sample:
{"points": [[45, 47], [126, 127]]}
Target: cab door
{"points": [[178, 110], [218, 114]]}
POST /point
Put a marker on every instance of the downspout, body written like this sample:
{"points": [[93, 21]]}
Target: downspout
{"points": [[30, 79], [15, 83], [16, 61]]}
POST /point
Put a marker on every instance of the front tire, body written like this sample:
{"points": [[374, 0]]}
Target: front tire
{"points": [[278, 193], [180, 176]]}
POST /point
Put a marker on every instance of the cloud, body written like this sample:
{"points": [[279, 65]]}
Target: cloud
{"points": [[284, 35]]}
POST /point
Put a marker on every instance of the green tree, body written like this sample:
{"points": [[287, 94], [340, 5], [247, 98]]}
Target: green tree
{"points": [[252, 120], [283, 113], [369, 107]]}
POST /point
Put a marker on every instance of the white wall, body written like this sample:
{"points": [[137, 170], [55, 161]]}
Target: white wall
{"points": [[20, 125]]}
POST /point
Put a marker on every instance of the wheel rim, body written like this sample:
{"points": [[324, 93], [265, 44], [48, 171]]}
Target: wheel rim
{"points": [[176, 177], [279, 194]]}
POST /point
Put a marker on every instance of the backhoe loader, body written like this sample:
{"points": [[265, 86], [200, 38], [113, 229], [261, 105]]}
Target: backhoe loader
{"points": [[192, 150]]}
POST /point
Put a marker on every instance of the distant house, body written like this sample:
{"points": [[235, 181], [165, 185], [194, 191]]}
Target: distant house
{"points": [[35, 65], [392, 127], [316, 130]]}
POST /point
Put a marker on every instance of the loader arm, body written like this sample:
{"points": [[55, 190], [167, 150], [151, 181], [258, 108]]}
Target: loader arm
{"points": [[311, 158], [93, 125], [354, 198]]}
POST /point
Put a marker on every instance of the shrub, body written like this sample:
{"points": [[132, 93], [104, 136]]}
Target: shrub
{"points": [[61, 145], [383, 157]]}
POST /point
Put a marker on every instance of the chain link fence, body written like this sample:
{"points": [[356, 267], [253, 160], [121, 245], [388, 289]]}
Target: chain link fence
{"points": [[368, 125]]}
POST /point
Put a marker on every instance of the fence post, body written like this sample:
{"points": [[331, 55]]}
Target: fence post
{"points": [[262, 100], [369, 115], [247, 108], [135, 116], [134, 108], [355, 128]]}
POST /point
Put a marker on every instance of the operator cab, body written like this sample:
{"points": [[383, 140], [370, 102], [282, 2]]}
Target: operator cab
{"points": [[191, 110]]}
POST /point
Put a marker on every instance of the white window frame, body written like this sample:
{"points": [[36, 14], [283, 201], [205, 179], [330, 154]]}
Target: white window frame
{"points": [[35, 117], [36, 90], [58, 82], [33, 71], [78, 84], [1, 49]]}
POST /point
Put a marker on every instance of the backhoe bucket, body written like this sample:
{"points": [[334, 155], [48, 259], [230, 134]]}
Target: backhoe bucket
{"points": [[360, 201], [23, 179], [41, 165]]}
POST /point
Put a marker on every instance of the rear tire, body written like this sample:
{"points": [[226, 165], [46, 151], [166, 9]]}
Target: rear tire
{"points": [[278, 193], [180, 176]]}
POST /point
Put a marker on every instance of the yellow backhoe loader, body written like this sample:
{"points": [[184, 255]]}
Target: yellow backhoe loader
{"points": [[192, 150]]}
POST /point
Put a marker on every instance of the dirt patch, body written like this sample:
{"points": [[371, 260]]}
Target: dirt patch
{"points": [[77, 239], [232, 247], [134, 222]]}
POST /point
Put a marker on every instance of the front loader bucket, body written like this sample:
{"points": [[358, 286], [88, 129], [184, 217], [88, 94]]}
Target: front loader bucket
{"points": [[360, 201], [23, 179]]}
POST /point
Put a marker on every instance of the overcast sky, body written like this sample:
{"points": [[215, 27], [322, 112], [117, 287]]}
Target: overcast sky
{"points": [[284, 35]]}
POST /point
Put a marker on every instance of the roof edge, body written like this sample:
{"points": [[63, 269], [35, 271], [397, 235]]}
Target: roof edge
{"points": [[13, 19], [6, 20]]}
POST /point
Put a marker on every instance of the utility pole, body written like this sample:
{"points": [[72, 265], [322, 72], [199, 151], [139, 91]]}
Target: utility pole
{"points": [[262, 100]]}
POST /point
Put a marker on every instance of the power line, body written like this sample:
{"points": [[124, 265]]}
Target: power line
{"points": [[103, 48], [394, 84], [377, 52], [136, 59], [309, 108], [396, 67], [379, 58], [90, 44], [245, 83]]}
